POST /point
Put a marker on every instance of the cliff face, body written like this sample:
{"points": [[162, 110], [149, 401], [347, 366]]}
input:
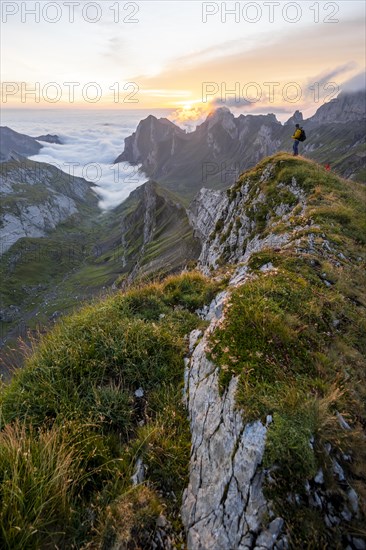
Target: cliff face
{"points": [[148, 144], [347, 107], [155, 232], [241, 214]]}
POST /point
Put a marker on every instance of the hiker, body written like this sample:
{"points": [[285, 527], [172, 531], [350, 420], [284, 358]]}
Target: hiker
{"points": [[299, 135], [296, 136]]}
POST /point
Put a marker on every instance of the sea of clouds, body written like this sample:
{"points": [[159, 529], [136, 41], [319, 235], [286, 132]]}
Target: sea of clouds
{"points": [[91, 141]]}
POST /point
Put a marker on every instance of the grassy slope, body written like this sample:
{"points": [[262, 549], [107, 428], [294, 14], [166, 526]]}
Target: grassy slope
{"points": [[73, 406], [295, 336]]}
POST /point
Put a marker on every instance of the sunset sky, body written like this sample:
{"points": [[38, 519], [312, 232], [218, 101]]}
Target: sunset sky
{"points": [[254, 57]]}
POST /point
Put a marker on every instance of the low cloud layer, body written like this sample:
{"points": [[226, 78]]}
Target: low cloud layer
{"points": [[91, 141]]}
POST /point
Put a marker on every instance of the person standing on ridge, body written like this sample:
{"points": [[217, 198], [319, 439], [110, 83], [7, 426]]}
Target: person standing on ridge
{"points": [[296, 136]]}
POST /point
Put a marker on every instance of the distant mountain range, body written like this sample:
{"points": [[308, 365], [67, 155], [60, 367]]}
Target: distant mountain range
{"points": [[13, 143], [224, 145]]}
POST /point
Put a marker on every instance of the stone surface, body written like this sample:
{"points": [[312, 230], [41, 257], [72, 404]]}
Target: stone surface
{"points": [[223, 505]]}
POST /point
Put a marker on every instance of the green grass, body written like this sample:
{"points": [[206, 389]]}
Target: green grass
{"points": [[285, 331], [77, 391]]}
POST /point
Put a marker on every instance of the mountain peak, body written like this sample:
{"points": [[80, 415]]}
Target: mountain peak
{"points": [[296, 118], [220, 113]]}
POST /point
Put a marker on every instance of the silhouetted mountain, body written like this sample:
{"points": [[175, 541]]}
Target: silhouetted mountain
{"points": [[214, 154], [223, 146], [151, 136], [296, 118]]}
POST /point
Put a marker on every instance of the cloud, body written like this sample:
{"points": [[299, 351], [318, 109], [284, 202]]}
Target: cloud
{"points": [[232, 102], [91, 142], [283, 58], [326, 83], [189, 117]]}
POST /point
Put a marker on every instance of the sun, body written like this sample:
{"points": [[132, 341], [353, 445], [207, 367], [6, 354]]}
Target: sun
{"points": [[190, 112]]}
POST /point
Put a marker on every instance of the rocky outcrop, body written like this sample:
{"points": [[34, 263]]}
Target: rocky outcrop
{"points": [[233, 232], [35, 221], [153, 140], [296, 118], [347, 107], [223, 506], [205, 210], [12, 142], [49, 138]]}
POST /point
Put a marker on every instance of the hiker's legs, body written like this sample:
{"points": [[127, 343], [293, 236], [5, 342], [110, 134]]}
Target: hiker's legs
{"points": [[295, 147]]}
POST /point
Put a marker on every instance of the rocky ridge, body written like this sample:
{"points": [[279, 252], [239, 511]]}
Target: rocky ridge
{"points": [[49, 138], [224, 505], [155, 233]]}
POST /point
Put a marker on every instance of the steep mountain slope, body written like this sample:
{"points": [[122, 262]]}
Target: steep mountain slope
{"points": [[149, 142], [223, 146], [36, 197], [272, 377], [12, 142], [282, 346], [155, 232], [347, 107], [48, 221]]}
